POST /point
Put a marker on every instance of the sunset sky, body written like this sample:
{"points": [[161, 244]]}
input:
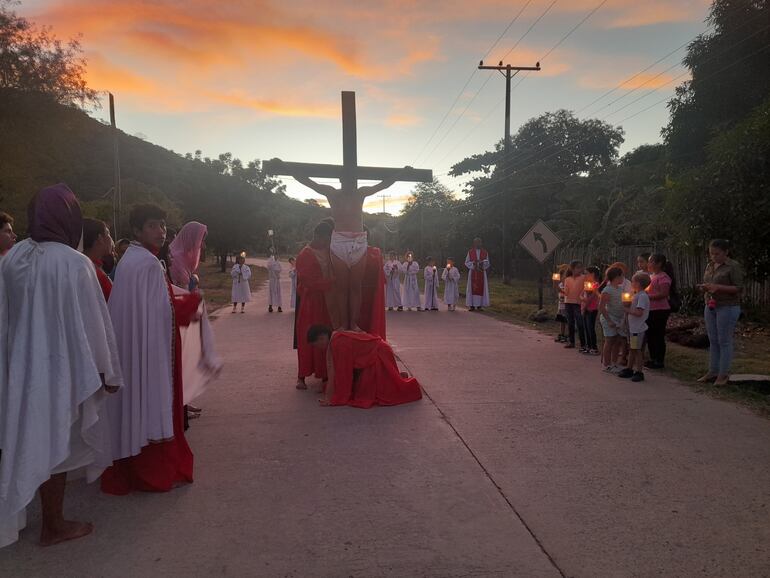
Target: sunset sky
{"points": [[262, 78]]}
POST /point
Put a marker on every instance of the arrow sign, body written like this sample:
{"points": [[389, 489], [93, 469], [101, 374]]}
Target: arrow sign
{"points": [[540, 241]]}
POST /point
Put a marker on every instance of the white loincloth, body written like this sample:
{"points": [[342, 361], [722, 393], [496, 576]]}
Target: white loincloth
{"points": [[349, 247]]}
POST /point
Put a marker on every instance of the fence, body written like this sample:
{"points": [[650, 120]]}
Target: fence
{"points": [[688, 267]]}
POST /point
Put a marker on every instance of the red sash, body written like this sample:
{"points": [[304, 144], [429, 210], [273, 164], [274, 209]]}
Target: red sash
{"points": [[477, 274]]}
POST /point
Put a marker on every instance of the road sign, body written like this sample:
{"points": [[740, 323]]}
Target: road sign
{"points": [[540, 241]]}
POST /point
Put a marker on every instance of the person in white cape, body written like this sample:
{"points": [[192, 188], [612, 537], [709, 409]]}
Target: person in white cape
{"points": [[431, 286], [274, 274], [410, 269], [451, 277], [392, 270], [241, 273], [58, 361]]}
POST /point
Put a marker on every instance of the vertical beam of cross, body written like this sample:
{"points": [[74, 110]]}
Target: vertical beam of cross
{"points": [[349, 139]]}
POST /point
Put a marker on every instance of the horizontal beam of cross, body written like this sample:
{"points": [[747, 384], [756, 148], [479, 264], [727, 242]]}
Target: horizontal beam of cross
{"points": [[323, 171]]}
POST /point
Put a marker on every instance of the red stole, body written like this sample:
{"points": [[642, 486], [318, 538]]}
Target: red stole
{"points": [[477, 274]]}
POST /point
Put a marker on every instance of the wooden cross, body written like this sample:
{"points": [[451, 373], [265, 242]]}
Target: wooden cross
{"points": [[349, 172]]}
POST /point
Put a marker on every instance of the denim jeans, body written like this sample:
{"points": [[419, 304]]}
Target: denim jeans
{"points": [[575, 320], [720, 326], [590, 324], [656, 335]]}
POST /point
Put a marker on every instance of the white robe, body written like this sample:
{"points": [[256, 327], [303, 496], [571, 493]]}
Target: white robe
{"points": [[274, 271], [451, 279], [472, 300], [200, 362], [431, 288], [393, 284], [55, 339], [411, 287], [293, 277], [142, 314], [241, 291]]}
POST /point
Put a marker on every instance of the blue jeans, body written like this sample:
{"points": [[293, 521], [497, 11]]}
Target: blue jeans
{"points": [[575, 322], [720, 326]]}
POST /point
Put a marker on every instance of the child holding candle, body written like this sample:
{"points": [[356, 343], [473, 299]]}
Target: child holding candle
{"points": [[638, 311], [590, 308], [611, 315], [451, 277], [561, 311]]}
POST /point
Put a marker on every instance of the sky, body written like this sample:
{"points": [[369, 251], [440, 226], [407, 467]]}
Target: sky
{"points": [[262, 78]]}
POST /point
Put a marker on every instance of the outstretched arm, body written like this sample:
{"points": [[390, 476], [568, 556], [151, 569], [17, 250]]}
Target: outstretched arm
{"points": [[381, 186], [325, 190]]}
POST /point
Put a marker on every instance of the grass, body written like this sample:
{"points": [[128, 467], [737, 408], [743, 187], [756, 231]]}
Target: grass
{"points": [[217, 286], [516, 302]]}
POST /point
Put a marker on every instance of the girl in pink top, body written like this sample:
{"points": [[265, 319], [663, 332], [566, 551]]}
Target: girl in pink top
{"points": [[659, 291], [590, 308]]}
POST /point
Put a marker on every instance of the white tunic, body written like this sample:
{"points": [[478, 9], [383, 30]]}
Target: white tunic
{"points": [[293, 277], [55, 339], [274, 271], [431, 288], [451, 279], [411, 287], [241, 291], [392, 284], [142, 314], [472, 300]]}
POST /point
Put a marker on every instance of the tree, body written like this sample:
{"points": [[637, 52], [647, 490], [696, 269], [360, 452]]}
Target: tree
{"points": [[730, 77], [427, 221], [34, 60]]}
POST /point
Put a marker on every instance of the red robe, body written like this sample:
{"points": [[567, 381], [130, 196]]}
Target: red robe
{"points": [[477, 273], [379, 381], [161, 466], [311, 287], [104, 280], [372, 316]]}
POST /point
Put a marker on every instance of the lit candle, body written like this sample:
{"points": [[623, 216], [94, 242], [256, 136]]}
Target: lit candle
{"points": [[556, 277], [627, 297], [588, 286], [269, 232], [243, 254]]}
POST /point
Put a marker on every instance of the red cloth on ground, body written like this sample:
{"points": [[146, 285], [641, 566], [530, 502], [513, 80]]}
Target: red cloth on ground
{"points": [[372, 316], [477, 275], [379, 382], [311, 287], [104, 282], [161, 466]]}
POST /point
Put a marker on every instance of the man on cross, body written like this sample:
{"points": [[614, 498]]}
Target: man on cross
{"points": [[348, 244]]}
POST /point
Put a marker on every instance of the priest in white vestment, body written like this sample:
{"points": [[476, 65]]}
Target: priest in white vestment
{"points": [[392, 270], [431, 286], [274, 273], [410, 269], [58, 359], [451, 277], [477, 262]]}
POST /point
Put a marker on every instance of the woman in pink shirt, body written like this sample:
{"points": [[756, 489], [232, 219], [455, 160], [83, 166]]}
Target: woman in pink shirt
{"points": [[661, 274]]}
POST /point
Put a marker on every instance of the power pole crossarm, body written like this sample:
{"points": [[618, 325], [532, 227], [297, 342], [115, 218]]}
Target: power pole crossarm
{"points": [[509, 72]]}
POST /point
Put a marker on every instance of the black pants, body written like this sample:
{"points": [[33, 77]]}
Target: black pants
{"points": [[656, 335], [589, 320], [575, 320]]}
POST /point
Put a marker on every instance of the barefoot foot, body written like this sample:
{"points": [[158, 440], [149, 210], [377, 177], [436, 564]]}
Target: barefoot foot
{"points": [[722, 380], [65, 531], [301, 384], [323, 402]]}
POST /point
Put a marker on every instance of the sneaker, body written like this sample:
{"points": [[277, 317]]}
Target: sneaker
{"points": [[390, 309], [400, 308], [569, 346], [270, 309], [280, 310], [626, 373], [559, 339], [638, 376], [617, 369], [593, 352], [472, 309], [609, 369], [583, 350]]}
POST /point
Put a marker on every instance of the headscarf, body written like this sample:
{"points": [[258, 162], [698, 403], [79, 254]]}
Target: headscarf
{"points": [[185, 252], [54, 215]]}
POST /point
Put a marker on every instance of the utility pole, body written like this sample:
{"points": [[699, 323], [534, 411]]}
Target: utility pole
{"points": [[116, 193], [384, 197], [508, 72]]}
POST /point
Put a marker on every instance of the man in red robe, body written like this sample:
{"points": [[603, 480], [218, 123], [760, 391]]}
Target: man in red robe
{"points": [[477, 292], [314, 282], [372, 318], [362, 370], [147, 417], [98, 244]]}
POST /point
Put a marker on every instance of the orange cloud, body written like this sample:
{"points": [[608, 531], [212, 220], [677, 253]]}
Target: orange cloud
{"points": [[646, 80], [278, 108]]}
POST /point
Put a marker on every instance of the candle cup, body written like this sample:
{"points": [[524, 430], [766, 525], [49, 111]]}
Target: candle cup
{"points": [[555, 277], [627, 297], [588, 286]]}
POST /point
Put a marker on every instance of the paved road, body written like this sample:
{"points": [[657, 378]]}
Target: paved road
{"points": [[522, 460]]}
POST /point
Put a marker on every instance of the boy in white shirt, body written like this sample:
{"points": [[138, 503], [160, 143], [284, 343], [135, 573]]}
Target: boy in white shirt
{"points": [[637, 312]]}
